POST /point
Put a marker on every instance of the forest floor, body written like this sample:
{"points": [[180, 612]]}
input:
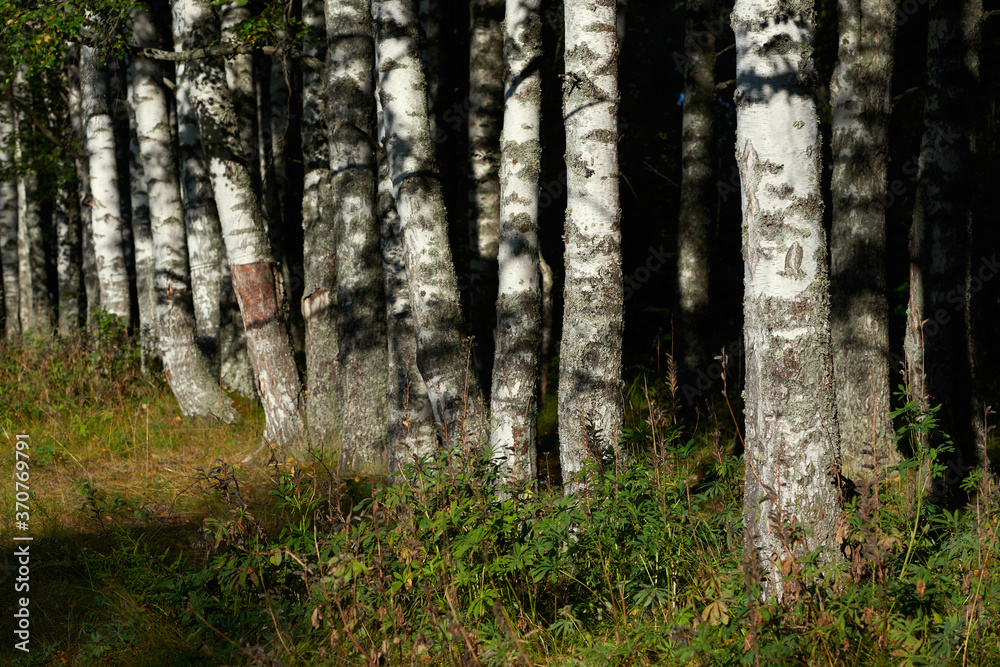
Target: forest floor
{"points": [[152, 545]]}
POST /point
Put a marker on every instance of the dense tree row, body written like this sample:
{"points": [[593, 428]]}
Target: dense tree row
{"points": [[272, 196]]}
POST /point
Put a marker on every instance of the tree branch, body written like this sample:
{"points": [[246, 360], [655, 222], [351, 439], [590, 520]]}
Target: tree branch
{"points": [[218, 50]]}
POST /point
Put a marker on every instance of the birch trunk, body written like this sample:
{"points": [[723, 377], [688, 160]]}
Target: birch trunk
{"points": [[412, 432], [937, 344], [240, 77], [241, 74], [8, 226], [361, 325], [514, 406], [861, 100], [319, 256], [548, 320], [204, 234], [697, 204], [255, 279], [453, 391], [66, 220], [69, 256], [91, 284], [430, 33], [142, 239], [185, 367], [590, 368], [35, 313], [106, 211], [790, 423], [486, 102]]}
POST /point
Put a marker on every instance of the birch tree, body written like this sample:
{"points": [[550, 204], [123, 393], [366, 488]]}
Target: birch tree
{"points": [[514, 405], [361, 324], [106, 212], [411, 433], [319, 256], [35, 315], [789, 413], [937, 344], [142, 241], [204, 235], [66, 220], [241, 72], [861, 98], [8, 223], [256, 281], [453, 392], [430, 33], [697, 204], [590, 366], [486, 105], [91, 283], [185, 367]]}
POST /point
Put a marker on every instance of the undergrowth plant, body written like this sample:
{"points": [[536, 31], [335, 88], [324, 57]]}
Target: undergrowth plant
{"points": [[449, 563]]}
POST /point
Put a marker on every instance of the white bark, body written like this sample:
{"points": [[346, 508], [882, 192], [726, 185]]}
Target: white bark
{"points": [[240, 77], [361, 333], [514, 405], [590, 369], [453, 390], [186, 369], [411, 434], [66, 220], [255, 279], [142, 240], [218, 321], [790, 426], [204, 234], [8, 225], [91, 284], [106, 221], [486, 88]]}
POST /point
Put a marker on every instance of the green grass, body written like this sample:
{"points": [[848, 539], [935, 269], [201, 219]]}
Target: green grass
{"points": [[152, 547]]}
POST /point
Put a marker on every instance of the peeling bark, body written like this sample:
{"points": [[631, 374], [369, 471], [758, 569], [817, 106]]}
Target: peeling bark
{"points": [[258, 288], [255, 280]]}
